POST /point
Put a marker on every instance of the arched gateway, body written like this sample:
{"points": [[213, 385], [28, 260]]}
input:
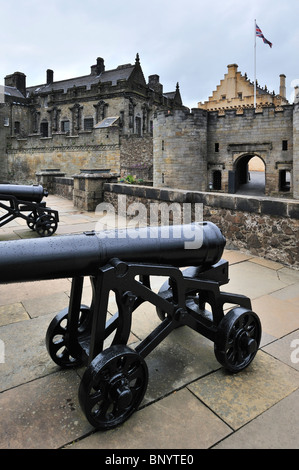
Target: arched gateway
{"points": [[248, 175]]}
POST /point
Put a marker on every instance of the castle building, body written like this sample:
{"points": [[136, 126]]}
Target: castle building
{"points": [[236, 91], [114, 119], [103, 120], [211, 147]]}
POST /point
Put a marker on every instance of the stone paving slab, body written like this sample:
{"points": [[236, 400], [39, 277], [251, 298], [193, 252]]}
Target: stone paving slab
{"points": [[42, 414], [243, 280], [278, 317], [180, 359], [178, 421], [52, 303], [26, 357], [239, 398], [286, 349], [24, 291], [289, 294], [12, 313], [277, 428]]}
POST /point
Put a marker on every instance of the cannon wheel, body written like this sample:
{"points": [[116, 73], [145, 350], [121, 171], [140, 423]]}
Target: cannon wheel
{"points": [[31, 220], [46, 225], [113, 386], [238, 339], [55, 337]]}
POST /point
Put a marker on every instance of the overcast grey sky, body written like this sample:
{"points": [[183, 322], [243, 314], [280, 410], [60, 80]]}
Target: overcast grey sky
{"points": [[185, 41]]}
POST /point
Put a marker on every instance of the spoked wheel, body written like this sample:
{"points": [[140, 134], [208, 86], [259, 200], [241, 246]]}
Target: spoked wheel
{"points": [[56, 337], [46, 225], [238, 339], [113, 386], [31, 220]]}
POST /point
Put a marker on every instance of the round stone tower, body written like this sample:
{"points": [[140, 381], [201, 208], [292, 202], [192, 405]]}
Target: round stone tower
{"points": [[180, 149]]}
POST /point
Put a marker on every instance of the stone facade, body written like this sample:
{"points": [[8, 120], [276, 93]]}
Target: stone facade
{"points": [[100, 120], [237, 91], [214, 146], [207, 150]]}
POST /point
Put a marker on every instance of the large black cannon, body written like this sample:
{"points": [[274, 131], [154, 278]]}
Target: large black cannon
{"points": [[123, 261], [25, 201]]}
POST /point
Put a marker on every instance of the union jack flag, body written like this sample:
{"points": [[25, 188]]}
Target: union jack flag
{"points": [[259, 34]]}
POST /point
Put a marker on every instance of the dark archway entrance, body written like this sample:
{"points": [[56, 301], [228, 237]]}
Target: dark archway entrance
{"points": [[248, 176]]}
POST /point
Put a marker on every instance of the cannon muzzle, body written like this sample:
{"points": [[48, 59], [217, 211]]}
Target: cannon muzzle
{"points": [[198, 244]]}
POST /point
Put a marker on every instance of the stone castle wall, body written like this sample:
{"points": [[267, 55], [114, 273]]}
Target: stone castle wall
{"points": [[89, 149], [264, 227], [253, 133], [189, 147]]}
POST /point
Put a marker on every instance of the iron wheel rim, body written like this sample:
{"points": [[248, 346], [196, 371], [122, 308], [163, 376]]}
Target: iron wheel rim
{"points": [[113, 387]]}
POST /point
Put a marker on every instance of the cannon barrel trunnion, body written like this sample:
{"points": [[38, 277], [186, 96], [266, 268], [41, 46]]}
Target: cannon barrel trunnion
{"points": [[124, 262], [25, 201]]}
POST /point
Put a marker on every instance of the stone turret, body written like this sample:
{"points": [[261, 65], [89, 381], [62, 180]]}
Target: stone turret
{"points": [[180, 149]]}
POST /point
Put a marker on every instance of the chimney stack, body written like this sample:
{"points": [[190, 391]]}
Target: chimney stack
{"points": [[154, 83], [50, 76], [17, 80], [282, 87], [98, 68]]}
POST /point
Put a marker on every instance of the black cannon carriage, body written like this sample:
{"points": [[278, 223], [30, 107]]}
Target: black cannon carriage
{"points": [[124, 261], [25, 201]]}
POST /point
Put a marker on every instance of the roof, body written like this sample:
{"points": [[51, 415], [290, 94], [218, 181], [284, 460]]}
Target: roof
{"points": [[122, 72], [12, 91]]}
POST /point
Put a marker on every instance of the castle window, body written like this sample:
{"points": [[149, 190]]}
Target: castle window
{"points": [[284, 145], [17, 127], [44, 129], [138, 126], [163, 145], [216, 146], [65, 126], [284, 180], [223, 97], [6, 122], [217, 179], [88, 124], [240, 95]]}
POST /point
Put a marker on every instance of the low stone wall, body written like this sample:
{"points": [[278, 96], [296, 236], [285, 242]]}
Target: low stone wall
{"points": [[262, 226], [64, 187]]}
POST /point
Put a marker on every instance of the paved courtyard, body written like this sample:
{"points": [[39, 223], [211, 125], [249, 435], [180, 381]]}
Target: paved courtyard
{"points": [[191, 401]]}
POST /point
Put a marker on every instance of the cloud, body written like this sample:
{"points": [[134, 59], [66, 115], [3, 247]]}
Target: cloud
{"points": [[190, 41]]}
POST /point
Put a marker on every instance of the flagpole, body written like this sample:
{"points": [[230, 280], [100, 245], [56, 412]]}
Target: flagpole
{"points": [[255, 63]]}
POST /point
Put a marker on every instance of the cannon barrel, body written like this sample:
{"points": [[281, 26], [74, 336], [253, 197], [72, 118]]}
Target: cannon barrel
{"points": [[31, 193], [198, 244]]}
